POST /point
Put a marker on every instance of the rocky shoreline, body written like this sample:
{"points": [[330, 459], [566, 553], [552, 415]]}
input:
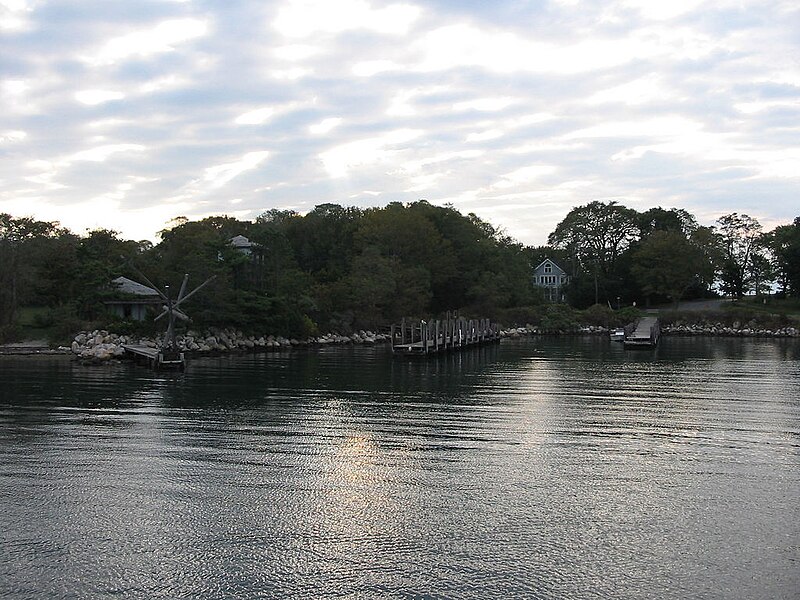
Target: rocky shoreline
{"points": [[677, 329], [100, 345]]}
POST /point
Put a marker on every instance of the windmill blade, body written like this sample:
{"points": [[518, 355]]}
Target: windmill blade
{"points": [[148, 282], [178, 313], [183, 286], [195, 290]]}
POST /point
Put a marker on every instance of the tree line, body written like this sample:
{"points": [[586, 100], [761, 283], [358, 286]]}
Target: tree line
{"points": [[342, 268]]}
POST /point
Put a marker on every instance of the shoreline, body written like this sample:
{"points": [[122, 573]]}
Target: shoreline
{"points": [[100, 346]]}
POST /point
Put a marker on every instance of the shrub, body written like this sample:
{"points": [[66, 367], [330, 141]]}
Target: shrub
{"points": [[521, 315], [597, 315], [559, 318]]}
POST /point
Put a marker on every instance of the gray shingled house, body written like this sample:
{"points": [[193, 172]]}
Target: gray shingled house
{"points": [[133, 299], [551, 279]]}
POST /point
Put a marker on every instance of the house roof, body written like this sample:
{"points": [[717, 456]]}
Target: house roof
{"points": [[552, 262], [239, 241], [129, 286]]}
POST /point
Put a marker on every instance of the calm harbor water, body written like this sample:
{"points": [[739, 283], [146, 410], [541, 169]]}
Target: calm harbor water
{"points": [[539, 468]]}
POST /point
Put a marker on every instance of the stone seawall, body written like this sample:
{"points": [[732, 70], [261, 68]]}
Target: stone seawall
{"points": [[101, 345], [706, 329]]}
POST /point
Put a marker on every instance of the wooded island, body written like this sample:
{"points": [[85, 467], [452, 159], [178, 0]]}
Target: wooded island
{"points": [[342, 268]]}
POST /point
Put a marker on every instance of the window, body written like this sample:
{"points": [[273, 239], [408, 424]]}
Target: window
{"points": [[548, 268]]}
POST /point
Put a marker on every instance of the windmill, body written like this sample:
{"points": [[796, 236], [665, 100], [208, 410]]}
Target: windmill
{"points": [[169, 354]]}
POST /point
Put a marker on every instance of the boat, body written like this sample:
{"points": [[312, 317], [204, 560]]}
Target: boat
{"points": [[618, 335]]}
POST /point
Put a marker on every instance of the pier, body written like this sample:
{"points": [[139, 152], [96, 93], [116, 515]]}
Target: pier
{"points": [[156, 358], [645, 334], [425, 338]]}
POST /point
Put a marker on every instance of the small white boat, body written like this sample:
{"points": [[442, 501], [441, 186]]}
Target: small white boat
{"points": [[618, 335]]}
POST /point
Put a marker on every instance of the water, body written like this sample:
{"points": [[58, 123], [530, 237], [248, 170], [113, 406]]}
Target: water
{"points": [[540, 468]]}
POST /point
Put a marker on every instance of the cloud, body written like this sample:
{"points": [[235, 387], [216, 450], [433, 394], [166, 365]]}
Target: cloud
{"points": [[303, 18], [255, 117], [325, 126], [147, 42], [219, 175], [94, 97], [515, 111], [101, 153], [13, 135], [339, 161]]}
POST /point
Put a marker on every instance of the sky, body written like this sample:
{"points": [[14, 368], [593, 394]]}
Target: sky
{"points": [[124, 115]]}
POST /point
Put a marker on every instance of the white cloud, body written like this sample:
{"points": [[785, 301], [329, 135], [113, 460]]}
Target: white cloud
{"points": [[256, 116], [664, 11], [13, 15], [648, 127], [163, 83], [296, 52], [418, 164], [523, 176], [303, 18], [750, 108], [368, 68], [161, 38], [94, 97], [639, 91], [674, 103], [325, 126], [482, 136], [484, 104], [340, 160], [101, 153], [219, 175], [502, 52], [291, 74], [14, 135]]}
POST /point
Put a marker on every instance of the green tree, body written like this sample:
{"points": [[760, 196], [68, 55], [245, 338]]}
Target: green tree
{"points": [[323, 240], [595, 235], [740, 235], [19, 269], [760, 274], [667, 263], [783, 243]]}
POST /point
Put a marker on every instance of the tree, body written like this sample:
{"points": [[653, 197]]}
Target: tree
{"points": [[667, 263], [660, 219], [760, 273], [18, 270], [740, 236], [595, 235], [783, 243], [323, 240]]}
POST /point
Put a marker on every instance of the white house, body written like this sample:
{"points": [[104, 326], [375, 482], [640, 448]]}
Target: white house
{"points": [[551, 279], [242, 244]]}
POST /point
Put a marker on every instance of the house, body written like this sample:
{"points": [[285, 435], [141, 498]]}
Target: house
{"points": [[242, 244], [133, 299], [551, 279]]}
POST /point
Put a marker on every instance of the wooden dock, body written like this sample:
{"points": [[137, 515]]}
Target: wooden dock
{"points": [[156, 358], [645, 335], [426, 338]]}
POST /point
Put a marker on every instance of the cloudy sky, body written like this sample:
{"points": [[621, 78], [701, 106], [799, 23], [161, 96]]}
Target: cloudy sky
{"points": [[125, 114]]}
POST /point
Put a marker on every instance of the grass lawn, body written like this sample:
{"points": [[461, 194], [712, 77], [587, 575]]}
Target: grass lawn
{"points": [[30, 320], [772, 305]]}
